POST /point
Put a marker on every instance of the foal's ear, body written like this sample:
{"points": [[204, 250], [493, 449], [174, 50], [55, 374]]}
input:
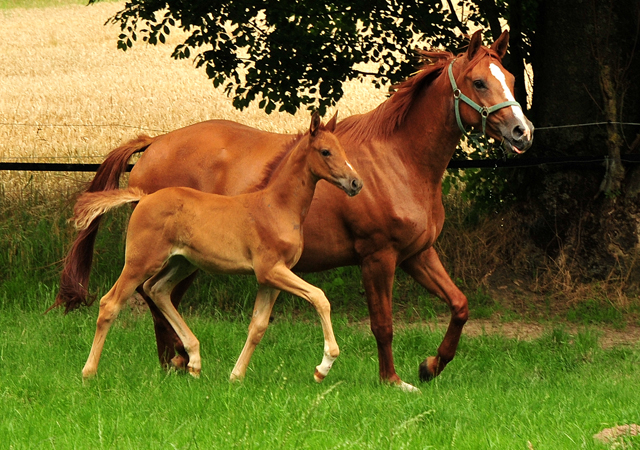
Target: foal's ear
{"points": [[331, 125], [474, 45], [315, 123], [501, 44]]}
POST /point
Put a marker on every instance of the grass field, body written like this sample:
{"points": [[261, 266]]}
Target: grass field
{"points": [[67, 94], [554, 392]]}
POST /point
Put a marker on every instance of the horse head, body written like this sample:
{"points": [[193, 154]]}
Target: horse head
{"points": [[483, 94], [327, 158]]}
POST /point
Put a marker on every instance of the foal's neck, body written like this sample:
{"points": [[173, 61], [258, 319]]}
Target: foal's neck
{"points": [[293, 184]]}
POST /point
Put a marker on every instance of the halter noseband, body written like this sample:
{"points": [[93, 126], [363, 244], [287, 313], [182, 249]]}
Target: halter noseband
{"points": [[483, 110]]}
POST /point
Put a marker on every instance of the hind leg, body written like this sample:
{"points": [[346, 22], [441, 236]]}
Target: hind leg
{"points": [[171, 352], [159, 289], [110, 306], [259, 322], [427, 270]]}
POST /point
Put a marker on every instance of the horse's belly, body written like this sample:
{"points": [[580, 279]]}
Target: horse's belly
{"points": [[230, 263]]}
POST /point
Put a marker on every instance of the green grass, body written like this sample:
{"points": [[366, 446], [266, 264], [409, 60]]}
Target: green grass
{"points": [[596, 310], [555, 392]]}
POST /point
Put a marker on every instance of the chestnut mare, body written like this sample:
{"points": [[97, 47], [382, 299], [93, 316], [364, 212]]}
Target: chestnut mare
{"points": [[401, 149], [177, 230]]}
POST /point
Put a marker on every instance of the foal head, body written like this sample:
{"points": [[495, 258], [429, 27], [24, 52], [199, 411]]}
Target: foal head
{"points": [[326, 157], [487, 84]]}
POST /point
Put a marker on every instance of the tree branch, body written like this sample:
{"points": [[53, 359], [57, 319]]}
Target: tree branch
{"points": [[462, 27]]}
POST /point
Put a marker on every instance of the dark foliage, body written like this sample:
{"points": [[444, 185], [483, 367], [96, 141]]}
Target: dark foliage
{"points": [[291, 54]]}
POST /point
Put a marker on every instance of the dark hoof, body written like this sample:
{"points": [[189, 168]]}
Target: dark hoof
{"points": [[178, 362], [428, 369], [424, 372]]}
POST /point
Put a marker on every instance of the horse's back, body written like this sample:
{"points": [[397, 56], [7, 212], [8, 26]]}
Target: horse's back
{"points": [[217, 156]]}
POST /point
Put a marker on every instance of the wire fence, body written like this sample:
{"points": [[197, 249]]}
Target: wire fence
{"points": [[518, 162]]}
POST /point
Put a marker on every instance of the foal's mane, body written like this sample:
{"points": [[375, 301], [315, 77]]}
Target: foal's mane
{"points": [[270, 168], [386, 118], [273, 165]]}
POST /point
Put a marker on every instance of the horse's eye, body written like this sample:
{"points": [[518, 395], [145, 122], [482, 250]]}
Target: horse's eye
{"points": [[479, 84], [325, 152]]}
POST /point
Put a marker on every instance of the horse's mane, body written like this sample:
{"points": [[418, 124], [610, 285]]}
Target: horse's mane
{"points": [[270, 168], [386, 118]]}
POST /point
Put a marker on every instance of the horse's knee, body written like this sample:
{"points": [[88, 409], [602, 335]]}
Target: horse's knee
{"points": [[320, 302], [257, 330], [108, 311], [383, 332], [150, 289], [460, 310]]}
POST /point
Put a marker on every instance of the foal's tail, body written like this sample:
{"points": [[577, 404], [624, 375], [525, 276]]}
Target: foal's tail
{"points": [[74, 278], [92, 205]]}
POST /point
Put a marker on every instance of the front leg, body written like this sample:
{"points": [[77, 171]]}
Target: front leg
{"points": [[280, 277], [427, 270], [259, 322], [378, 272]]}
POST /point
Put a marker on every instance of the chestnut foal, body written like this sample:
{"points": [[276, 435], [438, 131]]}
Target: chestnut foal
{"points": [[175, 231]]}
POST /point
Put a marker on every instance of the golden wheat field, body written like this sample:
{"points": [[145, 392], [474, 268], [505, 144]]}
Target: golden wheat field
{"points": [[67, 94]]}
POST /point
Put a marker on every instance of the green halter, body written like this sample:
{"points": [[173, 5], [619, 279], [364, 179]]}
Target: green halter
{"points": [[483, 110]]}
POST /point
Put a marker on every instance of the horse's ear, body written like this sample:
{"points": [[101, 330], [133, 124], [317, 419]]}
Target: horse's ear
{"points": [[315, 123], [501, 44], [474, 45], [331, 125]]}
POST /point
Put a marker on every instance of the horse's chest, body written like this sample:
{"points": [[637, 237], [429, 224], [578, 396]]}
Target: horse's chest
{"points": [[412, 225], [406, 226]]}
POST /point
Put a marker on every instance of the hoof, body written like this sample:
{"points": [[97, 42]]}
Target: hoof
{"points": [[235, 378], [428, 369], [318, 376], [406, 387], [88, 373], [178, 362]]}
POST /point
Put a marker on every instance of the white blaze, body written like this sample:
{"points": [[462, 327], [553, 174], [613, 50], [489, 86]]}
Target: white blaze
{"points": [[517, 111]]}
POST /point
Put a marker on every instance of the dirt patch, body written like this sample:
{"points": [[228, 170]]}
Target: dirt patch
{"points": [[608, 337], [610, 435], [528, 331]]}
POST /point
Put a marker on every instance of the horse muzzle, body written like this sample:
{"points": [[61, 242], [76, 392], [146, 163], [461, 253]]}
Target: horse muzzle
{"points": [[352, 186], [518, 137]]}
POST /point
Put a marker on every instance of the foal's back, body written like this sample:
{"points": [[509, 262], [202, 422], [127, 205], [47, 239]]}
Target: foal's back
{"points": [[214, 232]]}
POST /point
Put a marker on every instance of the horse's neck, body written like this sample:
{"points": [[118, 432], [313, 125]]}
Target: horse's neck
{"points": [[429, 134], [424, 139], [292, 185]]}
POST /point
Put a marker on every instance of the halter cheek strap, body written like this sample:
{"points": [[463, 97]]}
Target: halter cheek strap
{"points": [[483, 110]]}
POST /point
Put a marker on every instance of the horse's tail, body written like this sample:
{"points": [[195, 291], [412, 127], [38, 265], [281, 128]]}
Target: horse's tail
{"points": [[91, 205], [74, 278]]}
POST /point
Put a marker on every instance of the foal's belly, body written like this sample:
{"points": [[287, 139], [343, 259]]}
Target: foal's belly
{"points": [[218, 263]]}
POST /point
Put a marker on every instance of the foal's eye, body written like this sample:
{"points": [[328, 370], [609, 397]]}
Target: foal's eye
{"points": [[325, 152], [479, 84]]}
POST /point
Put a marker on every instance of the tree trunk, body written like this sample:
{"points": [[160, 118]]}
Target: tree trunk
{"points": [[586, 60], [515, 60]]}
